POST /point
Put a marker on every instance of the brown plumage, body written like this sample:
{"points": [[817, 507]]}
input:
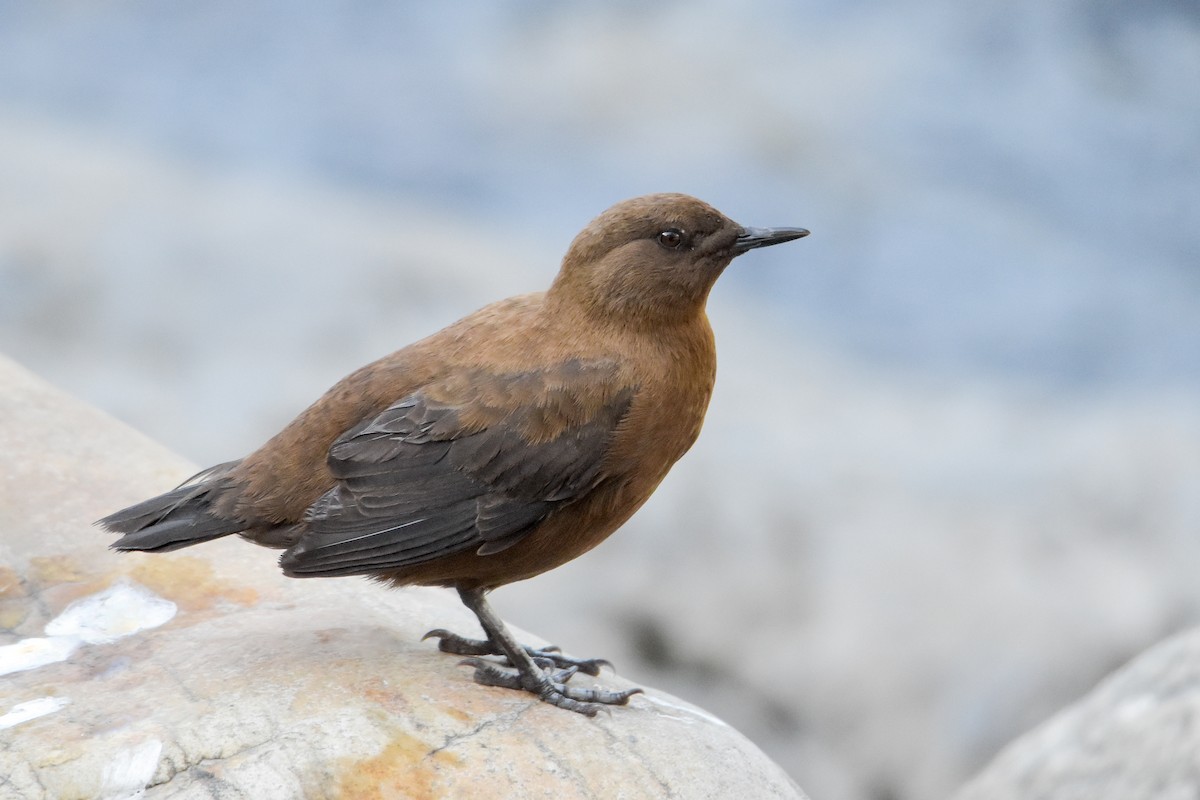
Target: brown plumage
{"points": [[500, 447]]}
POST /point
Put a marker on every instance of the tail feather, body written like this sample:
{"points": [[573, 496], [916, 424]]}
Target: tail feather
{"points": [[175, 519], [172, 535]]}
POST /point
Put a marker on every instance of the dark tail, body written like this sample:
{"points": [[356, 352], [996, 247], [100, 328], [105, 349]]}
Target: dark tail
{"points": [[179, 518]]}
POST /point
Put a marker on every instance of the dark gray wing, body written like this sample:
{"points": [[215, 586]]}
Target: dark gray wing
{"points": [[468, 465]]}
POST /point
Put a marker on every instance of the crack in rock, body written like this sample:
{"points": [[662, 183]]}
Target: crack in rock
{"points": [[192, 764], [507, 719]]}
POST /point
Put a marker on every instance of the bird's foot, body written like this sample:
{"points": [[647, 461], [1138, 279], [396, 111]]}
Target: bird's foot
{"points": [[546, 657], [550, 687], [542, 672]]}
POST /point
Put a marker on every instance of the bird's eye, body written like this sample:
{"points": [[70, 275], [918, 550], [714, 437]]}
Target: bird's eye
{"points": [[671, 238]]}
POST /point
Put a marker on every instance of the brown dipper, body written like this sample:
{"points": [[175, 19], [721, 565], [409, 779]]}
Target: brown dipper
{"points": [[505, 445]]}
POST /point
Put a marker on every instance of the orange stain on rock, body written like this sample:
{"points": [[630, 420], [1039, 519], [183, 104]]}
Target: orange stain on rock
{"points": [[385, 696], [406, 769], [14, 604], [190, 583], [59, 580], [11, 586], [56, 569]]}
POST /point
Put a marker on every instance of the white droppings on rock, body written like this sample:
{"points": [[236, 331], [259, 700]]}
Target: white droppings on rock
{"points": [[31, 709], [36, 652], [128, 774], [122, 609], [690, 714]]}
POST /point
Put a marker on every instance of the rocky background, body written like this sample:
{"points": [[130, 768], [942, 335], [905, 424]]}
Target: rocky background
{"points": [[949, 477]]}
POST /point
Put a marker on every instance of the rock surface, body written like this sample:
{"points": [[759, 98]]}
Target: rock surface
{"points": [[206, 673], [1133, 738]]}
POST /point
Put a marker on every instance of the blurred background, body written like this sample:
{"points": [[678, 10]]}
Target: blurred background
{"points": [[949, 478]]}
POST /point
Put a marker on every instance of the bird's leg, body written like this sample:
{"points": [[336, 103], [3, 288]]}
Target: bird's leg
{"points": [[548, 656], [526, 674]]}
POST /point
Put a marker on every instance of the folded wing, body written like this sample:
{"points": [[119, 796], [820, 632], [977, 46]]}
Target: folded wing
{"points": [[471, 463]]}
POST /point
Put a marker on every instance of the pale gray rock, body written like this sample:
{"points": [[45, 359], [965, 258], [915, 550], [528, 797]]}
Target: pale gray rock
{"points": [[207, 674], [1134, 737]]}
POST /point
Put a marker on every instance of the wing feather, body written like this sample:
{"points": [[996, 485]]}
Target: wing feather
{"points": [[442, 471]]}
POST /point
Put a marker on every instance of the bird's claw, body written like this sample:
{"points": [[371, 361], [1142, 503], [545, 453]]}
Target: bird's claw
{"points": [[550, 687], [549, 655], [449, 642]]}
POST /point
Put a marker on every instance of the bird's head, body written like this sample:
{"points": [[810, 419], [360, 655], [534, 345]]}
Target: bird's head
{"points": [[655, 258]]}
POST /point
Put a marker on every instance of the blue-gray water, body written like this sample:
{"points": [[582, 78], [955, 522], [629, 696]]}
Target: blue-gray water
{"points": [[1007, 188]]}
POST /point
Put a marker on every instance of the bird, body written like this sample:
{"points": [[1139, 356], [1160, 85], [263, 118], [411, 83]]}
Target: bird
{"points": [[506, 444]]}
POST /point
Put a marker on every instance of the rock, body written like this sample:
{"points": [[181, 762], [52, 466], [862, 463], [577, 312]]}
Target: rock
{"points": [[1132, 738], [206, 673]]}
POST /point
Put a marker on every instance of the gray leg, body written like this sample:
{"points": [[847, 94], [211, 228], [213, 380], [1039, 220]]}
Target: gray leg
{"points": [[526, 673]]}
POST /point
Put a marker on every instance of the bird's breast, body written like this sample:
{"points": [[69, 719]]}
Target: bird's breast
{"points": [[675, 382]]}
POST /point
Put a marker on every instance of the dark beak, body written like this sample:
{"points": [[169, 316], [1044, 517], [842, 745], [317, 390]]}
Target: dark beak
{"points": [[751, 238]]}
